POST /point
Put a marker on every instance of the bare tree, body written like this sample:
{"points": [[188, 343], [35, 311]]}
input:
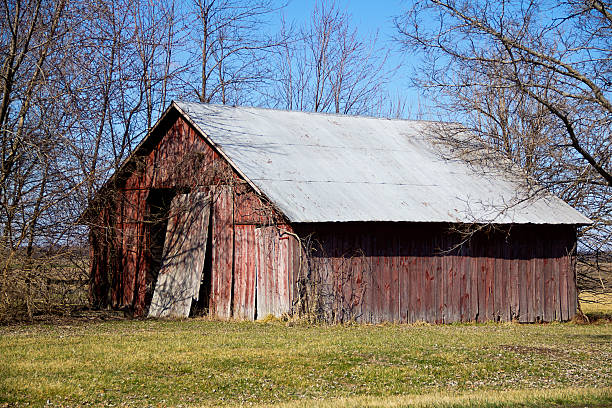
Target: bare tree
{"points": [[35, 178], [232, 45], [532, 80], [328, 66], [80, 84]]}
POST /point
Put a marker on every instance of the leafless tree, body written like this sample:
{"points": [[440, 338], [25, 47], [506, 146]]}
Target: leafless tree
{"points": [[80, 84], [328, 66], [230, 43], [532, 80]]}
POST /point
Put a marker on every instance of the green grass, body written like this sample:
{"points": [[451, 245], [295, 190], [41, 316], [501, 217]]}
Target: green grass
{"points": [[207, 363]]}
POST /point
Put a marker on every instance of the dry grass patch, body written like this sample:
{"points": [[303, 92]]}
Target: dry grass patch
{"points": [[597, 306]]}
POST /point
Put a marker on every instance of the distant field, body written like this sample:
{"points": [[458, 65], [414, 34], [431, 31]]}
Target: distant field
{"points": [[205, 363], [597, 305]]}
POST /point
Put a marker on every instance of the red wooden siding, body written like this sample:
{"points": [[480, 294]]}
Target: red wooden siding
{"points": [[222, 253], [415, 273], [245, 274], [121, 236], [275, 264]]}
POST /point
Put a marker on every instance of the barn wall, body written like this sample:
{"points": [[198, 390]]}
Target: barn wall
{"points": [[406, 273], [122, 255]]}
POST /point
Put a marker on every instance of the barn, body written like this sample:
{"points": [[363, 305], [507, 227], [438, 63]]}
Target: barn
{"points": [[239, 212]]}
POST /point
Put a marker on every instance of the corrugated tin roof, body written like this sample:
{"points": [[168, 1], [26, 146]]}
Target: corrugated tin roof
{"points": [[333, 168]]}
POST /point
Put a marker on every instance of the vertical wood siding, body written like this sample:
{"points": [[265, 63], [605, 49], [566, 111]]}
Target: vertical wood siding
{"points": [[412, 273], [121, 235], [245, 272], [222, 253], [275, 271]]}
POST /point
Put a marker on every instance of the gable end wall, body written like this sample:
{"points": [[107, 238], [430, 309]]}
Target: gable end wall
{"points": [[121, 258]]}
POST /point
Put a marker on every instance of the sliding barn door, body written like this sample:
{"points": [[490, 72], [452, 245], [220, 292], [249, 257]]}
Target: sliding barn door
{"points": [[178, 282]]}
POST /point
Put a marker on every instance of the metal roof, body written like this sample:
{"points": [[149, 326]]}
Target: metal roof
{"points": [[334, 168]]}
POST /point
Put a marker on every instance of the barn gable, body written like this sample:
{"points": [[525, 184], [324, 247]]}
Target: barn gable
{"points": [[127, 239]]}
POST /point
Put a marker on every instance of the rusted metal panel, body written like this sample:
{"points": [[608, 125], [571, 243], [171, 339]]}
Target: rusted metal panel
{"points": [[178, 282]]}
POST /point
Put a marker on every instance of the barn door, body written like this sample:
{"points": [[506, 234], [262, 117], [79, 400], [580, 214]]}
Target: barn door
{"points": [[274, 272], [178, 282]]}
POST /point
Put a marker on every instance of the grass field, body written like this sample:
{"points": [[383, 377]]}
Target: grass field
{"points": [[206, 363]]}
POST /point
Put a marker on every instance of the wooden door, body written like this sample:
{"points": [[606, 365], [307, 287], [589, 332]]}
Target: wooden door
{"points": [[178, 282]]}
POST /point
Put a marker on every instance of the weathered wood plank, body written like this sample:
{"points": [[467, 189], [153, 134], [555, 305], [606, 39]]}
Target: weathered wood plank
{"points": [[245, 269], [572, 293], [222, 252], [282, 276], [389, 280], [262, 248], [179, 278], [419, 279], [273, 272], [531, 286], [539, 293], [463, 263], [515, 280], [474, 282], [499, 290]]}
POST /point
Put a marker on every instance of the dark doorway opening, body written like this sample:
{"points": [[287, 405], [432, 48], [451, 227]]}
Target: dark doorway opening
{"points": [[201, 307], [158, 205]]}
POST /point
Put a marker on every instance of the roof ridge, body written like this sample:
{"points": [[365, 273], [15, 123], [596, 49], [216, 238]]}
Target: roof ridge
{"points": [[330, 114]]}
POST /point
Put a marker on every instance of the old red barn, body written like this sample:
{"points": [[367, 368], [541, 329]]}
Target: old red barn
{"points": [[245, 212]]}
